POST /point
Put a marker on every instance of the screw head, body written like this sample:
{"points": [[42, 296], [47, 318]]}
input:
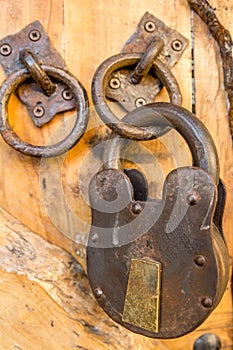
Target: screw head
{"points": [[98, 292], [200, 260], [34, 35], [140, 102], [114, 83], [177, 45], [67, 95], [149, 26], [136, 208], [38, 111], [5, 50], [207, 302]]}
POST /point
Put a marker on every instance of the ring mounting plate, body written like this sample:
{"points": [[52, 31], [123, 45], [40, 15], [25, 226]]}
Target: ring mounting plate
{"points": [[149, 29], [35, 38], [138, 42]]}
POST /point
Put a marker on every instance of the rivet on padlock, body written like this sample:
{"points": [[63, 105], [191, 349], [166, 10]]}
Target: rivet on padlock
{"points": [[160, 270]]}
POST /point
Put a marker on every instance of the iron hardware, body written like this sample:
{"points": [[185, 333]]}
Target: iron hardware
{"points": [[154, 49], [29, 54], [159, 267]]}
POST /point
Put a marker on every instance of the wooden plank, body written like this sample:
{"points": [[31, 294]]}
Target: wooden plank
{"points": [[26, 193], [49, 197], [79, 31], [211, 100], [211, 109], [67, 315], [46, 300]]}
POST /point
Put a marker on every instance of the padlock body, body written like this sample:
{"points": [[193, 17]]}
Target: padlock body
{"points": [[165, 259]]}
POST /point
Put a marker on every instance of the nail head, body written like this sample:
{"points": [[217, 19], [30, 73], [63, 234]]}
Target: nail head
{"points": [[208, 341], [95, 237], [98, 293], [200, 260], [136, 208], [192, 199]]}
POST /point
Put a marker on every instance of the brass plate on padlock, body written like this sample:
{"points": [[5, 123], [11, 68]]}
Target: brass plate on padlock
{"points": [[142, 302]]}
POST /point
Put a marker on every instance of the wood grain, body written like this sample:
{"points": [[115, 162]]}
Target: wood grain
{"points": [[50, 196], [85, 33], [68, 316], [211, 106]]}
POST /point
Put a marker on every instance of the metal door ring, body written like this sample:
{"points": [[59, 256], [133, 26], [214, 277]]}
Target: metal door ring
{"points": [[100, 80], [9, 86]]}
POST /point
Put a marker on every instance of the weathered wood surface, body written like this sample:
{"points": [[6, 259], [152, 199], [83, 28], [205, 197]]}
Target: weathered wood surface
{"points": [[74, 320], [67, 316], [45, 300]]}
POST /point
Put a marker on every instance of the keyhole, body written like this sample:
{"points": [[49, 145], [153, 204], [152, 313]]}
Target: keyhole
{"points": [[139, 183]]}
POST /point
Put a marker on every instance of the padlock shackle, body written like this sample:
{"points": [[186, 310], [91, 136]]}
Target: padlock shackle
{"points": [[198, 138]]}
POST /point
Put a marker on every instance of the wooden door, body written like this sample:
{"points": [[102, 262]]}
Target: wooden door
{"points": [[45, 300]]}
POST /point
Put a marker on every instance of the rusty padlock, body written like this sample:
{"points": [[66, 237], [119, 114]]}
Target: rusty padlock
{"points": [[160, 267]]}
